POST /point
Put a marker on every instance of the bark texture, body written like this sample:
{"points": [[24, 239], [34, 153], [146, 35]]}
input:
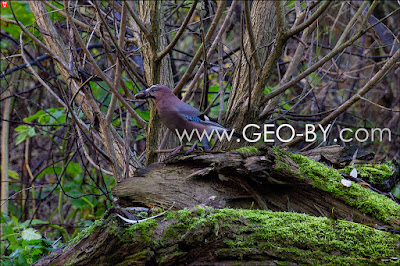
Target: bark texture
{"points": [[228, 237], [245, 179], [244, 102], [156, 72], [267, 180]]}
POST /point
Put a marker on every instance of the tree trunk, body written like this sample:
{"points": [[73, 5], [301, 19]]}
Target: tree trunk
{"points": [[155, 72], [243, 103]]}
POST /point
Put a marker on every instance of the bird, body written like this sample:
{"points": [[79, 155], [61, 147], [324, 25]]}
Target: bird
{"points": [[179, 117]]}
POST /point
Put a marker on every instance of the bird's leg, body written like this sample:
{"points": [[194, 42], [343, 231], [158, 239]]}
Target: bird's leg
{"points": [[175, 152], [192, 148]]}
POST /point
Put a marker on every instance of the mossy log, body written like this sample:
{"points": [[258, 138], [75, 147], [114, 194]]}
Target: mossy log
{"points": [[294, 188], [206, 236], [269, 179]]}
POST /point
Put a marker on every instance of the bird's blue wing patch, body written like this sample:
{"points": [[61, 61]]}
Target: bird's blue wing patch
{"points": [[192, 118], [202, 119]]}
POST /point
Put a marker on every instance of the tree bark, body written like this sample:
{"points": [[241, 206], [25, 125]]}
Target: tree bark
{"points": [[156, 72], [245, 179], [268, 180], [205, 236], [243, 103]]}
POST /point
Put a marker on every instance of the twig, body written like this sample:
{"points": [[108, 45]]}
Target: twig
{"points": [[309, 21], [211, 50], [167, 49], [221, 81], [199, 52], [140, 23], [325, 59], [378, 105], [90, 160], [37, 75], [367, 87]]}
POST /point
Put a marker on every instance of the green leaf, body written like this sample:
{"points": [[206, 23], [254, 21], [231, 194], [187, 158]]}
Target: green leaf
{"points": [[33, 117], [74, 169], [10, 234], [30, 234], [58, 116], [49, 171], [144, 114], [24, 132], [13, 174], [23, 14], [36, 221], [141, 136]]}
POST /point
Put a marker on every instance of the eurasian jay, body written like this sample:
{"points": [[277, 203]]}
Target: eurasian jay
{"points": [[179, 116]]}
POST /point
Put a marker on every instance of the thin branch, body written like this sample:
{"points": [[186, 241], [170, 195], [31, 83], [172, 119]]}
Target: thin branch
{"points": [[221, 83], [167, 49], [309, 21], [367, 87], [349, 25], [199, 52], [321, 62], [6, 20], [37, 75], [140, 23], [90, 160], [118, 70], [211, 50], [378, 105]]}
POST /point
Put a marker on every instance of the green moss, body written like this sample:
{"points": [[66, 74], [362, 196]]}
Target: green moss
{"points": [[248, 150], [144, 230], [253, 233], [138, 257], [171, 256], [327, 179], [373, 173], [86, 232]]}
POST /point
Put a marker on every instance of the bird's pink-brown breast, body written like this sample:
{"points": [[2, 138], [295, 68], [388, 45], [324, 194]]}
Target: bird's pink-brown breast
{"points": [[173, 120]]}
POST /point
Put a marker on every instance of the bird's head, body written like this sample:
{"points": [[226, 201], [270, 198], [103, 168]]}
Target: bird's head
{"points": [[155, 92]]}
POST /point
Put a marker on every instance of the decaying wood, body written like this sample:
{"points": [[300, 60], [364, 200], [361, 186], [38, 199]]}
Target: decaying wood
{"points": [[228, 237], [244, 180], [238, 180]]}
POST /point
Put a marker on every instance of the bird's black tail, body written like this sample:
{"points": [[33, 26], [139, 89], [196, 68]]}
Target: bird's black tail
{"points": [[238, 135]]}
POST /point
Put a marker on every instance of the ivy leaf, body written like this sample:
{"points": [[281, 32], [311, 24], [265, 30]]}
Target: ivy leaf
{"points": [[30, 234]]}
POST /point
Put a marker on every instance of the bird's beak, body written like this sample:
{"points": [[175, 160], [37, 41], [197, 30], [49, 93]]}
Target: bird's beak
{"points": [[143, 95]]}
